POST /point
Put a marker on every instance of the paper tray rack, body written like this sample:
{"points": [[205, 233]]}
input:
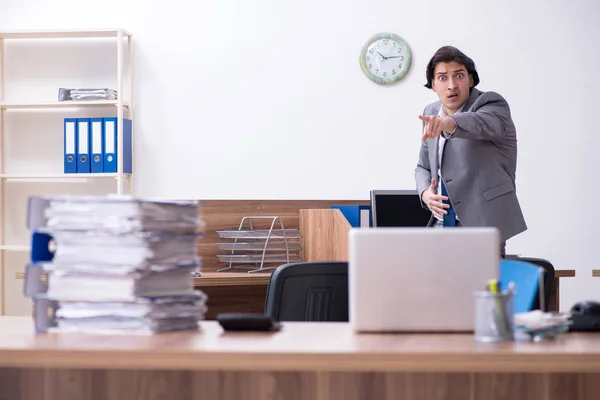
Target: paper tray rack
{"points": [[275, 245]]}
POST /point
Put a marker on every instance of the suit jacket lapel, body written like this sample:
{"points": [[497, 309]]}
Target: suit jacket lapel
{"points": [[472, 97], [434, 161]]}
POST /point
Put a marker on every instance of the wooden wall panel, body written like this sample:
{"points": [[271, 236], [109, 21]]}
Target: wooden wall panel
{"points": [[227, 214]]}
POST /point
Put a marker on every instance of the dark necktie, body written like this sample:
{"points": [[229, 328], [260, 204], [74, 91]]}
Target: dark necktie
{"points": [[450, 218]]}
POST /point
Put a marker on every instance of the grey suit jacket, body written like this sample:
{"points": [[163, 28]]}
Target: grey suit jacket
{"points": [[478, 165]]}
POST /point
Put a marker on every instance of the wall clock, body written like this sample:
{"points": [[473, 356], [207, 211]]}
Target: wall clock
{"points": [[385, 58]]}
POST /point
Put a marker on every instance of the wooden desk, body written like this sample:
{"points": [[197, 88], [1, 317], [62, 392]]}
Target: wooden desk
{"points": [[555, 298], [233, 291], [303, 361], [228, 279], [243, 292], [596, 273]]}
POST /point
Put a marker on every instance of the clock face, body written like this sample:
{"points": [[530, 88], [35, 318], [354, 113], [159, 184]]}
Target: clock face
{"points": [[385, 58]]}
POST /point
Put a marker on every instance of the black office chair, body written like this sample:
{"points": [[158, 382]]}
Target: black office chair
{"points": [[309, 291], [548, 279]]}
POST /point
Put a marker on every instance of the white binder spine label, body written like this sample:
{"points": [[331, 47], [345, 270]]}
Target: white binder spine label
{"points": [[97, 137], [109, 142], [70, 138], [83, 137]]}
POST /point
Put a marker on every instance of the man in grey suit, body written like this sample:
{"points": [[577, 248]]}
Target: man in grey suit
{"points": [[468, 157]]}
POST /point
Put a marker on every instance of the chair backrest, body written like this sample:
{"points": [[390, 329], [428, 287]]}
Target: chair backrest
{"points": [[548, 280], [309, 291]]}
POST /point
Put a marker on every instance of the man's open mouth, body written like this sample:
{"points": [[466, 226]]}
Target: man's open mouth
{"points": [[451, 96]]}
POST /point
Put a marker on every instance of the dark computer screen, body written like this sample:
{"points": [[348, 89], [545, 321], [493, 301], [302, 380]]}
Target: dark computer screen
{"points": [[398, 208]]}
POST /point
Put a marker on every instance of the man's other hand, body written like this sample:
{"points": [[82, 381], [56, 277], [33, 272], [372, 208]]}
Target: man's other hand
{"points": [[434, 200]]}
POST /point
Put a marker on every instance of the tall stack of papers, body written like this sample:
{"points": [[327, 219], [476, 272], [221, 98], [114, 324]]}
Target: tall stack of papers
{"points": [[119, 265]]}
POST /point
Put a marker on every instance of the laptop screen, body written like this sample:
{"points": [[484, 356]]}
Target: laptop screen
{"points": [[398, 208]]}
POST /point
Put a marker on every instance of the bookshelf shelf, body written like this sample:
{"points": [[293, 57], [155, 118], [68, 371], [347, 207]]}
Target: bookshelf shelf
{"points": [[58, 177], [19, 248], [62, 104], [65, 34]]}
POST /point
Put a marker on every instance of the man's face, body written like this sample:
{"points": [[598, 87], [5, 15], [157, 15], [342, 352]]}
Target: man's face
{"points": [[451, 82]]}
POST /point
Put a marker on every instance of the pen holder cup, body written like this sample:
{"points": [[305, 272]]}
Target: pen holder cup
{"points": [[494, 316]]}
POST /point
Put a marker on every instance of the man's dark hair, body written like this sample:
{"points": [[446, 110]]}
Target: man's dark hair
{"points": [[449, 54]]}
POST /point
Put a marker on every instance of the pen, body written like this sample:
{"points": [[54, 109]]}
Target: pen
{"points": [[494, 288], [511, 288], [493, 285]]}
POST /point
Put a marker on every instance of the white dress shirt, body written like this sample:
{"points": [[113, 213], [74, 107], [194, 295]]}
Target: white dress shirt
{"points": [[443, 137]]}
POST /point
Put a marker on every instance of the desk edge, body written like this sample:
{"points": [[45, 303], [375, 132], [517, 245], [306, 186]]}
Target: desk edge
{"points": [[331, 362]]}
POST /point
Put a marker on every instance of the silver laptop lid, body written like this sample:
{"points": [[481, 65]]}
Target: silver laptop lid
{"points": [[419, 279]]}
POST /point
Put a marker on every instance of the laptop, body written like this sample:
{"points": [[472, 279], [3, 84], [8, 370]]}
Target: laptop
{"points": [[419, 279]]}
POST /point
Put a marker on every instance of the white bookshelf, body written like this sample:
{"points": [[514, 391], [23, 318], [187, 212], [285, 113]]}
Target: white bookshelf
{"points": [[66, 177], [65, 34], [11, 273], [63, 104]]}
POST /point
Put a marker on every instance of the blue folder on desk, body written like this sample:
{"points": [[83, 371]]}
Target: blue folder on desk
{"points": [[40, 247], [355, 215], [526, 277]]}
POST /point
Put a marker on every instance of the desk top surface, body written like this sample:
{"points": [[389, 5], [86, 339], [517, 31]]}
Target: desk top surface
{"points": [[232, 279], [262, 278], [297, 347]]}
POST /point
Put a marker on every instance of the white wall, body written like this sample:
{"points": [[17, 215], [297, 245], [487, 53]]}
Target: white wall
{"points": [[266, 99]]}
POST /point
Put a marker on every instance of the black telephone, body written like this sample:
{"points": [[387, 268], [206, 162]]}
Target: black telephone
{"points": [[247, 322], [585, 317]]}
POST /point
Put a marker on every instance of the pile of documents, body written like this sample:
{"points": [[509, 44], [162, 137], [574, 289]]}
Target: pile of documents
{"points": [[539, 325], [65, 94], [116, 264]]}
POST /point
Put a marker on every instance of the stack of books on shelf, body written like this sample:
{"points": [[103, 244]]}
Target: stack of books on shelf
{"points": [[114, 264]]}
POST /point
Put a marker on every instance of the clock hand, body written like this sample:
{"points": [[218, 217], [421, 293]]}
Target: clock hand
{"points": [[382, 56], [393, 57], [393, 48]]}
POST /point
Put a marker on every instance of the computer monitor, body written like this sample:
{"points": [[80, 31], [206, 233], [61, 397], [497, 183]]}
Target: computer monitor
{"points": [[398, 208]]}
